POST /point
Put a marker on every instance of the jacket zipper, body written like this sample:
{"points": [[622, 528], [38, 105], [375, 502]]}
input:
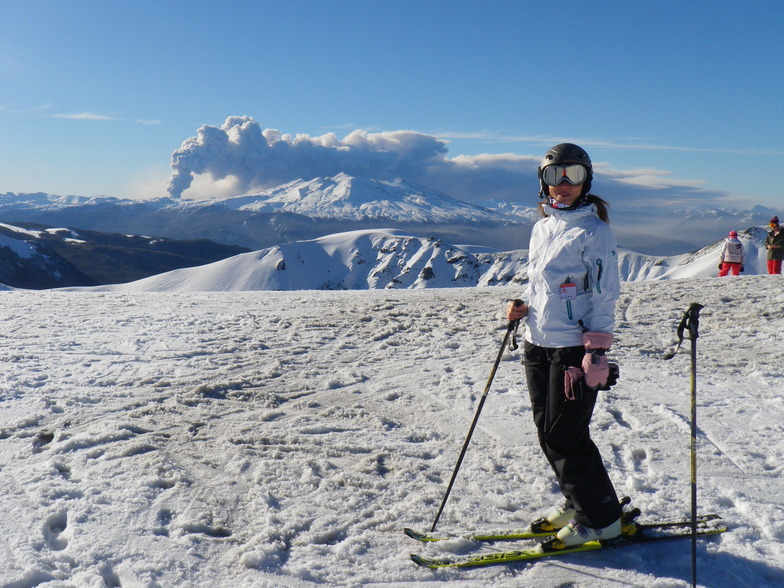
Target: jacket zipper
{"points": [[599, 276]]}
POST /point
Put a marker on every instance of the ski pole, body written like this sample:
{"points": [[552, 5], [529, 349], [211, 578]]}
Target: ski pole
{"points": [[693, 326], [510, 327], [691, 322]]}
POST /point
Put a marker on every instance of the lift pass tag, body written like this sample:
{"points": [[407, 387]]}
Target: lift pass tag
{"points": [[568, 291]]}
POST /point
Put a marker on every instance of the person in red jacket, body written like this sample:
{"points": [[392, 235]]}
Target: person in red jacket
{"points": [[731, 256]]}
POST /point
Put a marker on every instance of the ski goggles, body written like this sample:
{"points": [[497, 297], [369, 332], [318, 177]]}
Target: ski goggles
{"points": [[575, 174]]}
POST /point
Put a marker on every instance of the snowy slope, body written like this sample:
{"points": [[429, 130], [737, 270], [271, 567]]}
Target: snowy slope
{"points": [[701, 263], [354, 260], [384, 259], [273, 439]]}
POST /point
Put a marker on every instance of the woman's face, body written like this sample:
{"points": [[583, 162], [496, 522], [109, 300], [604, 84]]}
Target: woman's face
{"points": [[565, 193]]}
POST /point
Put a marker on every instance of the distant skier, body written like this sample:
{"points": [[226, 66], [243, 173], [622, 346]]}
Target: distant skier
{"points": [[569, 317], [774, 243], [731, 256]]}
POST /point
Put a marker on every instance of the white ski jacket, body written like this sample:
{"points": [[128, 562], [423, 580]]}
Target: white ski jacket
{"points": [[732, 252], [572, 276]]}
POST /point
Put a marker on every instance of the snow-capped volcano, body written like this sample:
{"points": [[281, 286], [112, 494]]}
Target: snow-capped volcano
{"points": [[353, 198]]}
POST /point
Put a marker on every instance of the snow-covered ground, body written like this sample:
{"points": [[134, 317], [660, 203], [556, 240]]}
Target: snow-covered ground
{"points": [[286, 438]]}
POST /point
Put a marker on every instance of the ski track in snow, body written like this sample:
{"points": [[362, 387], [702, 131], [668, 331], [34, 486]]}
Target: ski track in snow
{"points": [[286, 438]]}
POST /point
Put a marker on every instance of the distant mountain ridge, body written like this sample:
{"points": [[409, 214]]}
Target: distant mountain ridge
{"points": [[295, 211], [392, 259], [38, 257], [341, 197], [308, 209]]}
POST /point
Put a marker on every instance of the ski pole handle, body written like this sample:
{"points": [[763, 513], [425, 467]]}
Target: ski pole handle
{"points": [[693, 320], [514, 322], [690, 322], [511, 328]]}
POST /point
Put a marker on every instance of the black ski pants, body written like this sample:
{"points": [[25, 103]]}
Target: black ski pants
{"points": [[564, 435]]}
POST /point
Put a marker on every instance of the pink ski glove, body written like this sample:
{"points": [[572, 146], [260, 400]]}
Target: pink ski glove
{"points": [[595, 365], [597, 340], [572, 383]]}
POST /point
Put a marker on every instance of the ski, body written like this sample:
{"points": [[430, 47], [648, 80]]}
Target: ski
{"points": [[675, 530], [522, 534], [497, 535]]}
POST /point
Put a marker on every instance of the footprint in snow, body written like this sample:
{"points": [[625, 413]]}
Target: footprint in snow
{"points": [[41, 440], [53, 530], [163, 519]]}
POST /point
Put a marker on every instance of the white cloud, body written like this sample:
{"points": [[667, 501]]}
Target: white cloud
{"points": [[84, 116], [239, 156], [206, 186], [259, 159], [147, 183], [648, 177], [623, 143]]}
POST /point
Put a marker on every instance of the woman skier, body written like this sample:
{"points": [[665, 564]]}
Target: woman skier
{"points": [[569, 317]]}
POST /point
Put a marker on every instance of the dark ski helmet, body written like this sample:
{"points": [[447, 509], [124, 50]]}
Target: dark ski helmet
{"points": [[565, 154]]}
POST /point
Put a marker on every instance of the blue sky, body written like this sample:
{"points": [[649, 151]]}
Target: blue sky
{"points": [[675, 101]]}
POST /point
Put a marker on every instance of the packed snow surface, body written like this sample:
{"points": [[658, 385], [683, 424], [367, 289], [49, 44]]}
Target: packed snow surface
{"points": [[286, 438]]}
